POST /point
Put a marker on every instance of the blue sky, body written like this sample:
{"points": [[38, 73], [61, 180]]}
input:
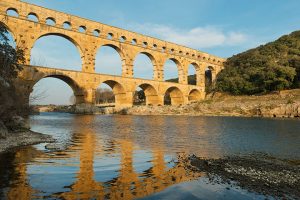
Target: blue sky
{"points": [[220, 27]]}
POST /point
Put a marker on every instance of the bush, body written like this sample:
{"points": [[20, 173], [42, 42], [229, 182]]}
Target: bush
{"points": [[274, 66]]}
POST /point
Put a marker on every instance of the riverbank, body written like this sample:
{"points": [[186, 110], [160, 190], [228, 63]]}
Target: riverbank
{"points": [[23, 138], [259, 174], [19, 134], [283, 104]]}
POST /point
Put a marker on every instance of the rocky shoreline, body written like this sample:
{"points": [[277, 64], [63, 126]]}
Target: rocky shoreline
{"points": [[283, 104], [23, 138], [263, 175], [19, 134]]}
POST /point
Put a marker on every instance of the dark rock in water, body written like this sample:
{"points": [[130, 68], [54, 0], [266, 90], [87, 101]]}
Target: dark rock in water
{"points": [[3, 130], [55, 147]]}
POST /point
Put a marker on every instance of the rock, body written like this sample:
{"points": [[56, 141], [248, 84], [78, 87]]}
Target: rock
{"points": [[87, 109], [3, 130], [55, 147], [20, 123]]}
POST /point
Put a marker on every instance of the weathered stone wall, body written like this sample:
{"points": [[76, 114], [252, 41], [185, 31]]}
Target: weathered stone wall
{"points": [[88, 36]]}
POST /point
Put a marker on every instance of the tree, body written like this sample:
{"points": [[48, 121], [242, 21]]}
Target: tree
{"points": [[274, 66], [104, 96], [11, 60]]}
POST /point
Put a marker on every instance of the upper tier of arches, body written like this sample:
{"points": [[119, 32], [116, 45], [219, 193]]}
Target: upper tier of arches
{"points": [[89, 36], [95, 29]]}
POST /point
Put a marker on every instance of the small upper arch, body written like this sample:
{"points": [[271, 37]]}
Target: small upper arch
{"points": [[110, 36], [50, 21], [33, 17], [96, 32], [67, 25], [123, 39], [134, 41], [82, 29], [12, 12]]}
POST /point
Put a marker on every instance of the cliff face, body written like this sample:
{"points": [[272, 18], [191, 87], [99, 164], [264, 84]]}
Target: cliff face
{"points": [[277, 104]]}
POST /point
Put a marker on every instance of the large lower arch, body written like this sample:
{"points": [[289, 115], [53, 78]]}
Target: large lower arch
{"points": [[108, 63], [78, 92], [175, 95], [119, 92], [37, 61], [151, 96], [194, 95]]}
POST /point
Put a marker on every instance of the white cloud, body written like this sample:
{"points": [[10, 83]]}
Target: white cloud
{"points": [[198, 37]]}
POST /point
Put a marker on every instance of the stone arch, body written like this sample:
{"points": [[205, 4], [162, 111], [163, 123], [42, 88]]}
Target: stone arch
{"points": [[152, 60], [82, 29], [50, 21], [151, 94], [16, 12], [33, 17], [123, 38], [118, 90], [175, 95], [194, 95], [67, 25], [114, 47], [78, 92], [118, 50], [209, 76], [96, 32], [134, 41], [180, 72], [195, 79], [76, 44]]}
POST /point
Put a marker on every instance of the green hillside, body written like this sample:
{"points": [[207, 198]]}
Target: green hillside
{"points": [[273, 66]]}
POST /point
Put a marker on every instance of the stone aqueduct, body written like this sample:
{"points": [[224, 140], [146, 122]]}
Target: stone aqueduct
{"points": [[88, 36]]}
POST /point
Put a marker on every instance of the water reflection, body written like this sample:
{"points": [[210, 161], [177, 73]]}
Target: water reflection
{"points": [[128, 184], [129, 157]]}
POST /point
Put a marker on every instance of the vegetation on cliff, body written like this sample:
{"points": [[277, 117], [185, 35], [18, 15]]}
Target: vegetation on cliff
{"points": [[270, 67], [10, 99]]}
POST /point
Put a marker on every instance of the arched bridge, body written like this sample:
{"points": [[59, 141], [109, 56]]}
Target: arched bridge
{"points": [[88, 36]]}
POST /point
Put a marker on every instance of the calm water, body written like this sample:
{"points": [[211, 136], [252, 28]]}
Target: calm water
{"points": [[130, 157]]}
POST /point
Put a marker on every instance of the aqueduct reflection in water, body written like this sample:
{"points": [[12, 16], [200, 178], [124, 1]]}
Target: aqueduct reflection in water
{"points": [[124, 183]]}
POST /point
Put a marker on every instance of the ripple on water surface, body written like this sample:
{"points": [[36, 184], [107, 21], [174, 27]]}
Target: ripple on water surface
{"points": [[128, 157]]}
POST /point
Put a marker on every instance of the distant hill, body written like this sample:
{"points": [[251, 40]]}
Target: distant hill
{"points": [[269, 67]]}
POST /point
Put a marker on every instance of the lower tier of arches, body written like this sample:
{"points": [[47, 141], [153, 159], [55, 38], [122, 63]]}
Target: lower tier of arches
{"points": [[84, 86]]}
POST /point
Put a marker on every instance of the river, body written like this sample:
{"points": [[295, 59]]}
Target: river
{"points": [[130, 157]]}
